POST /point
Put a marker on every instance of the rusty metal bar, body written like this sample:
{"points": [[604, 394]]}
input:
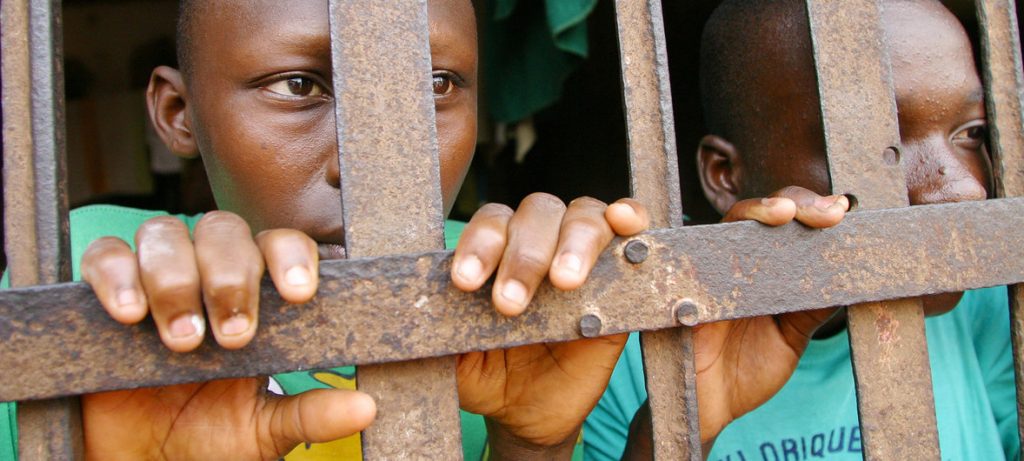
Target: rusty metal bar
{"points": [[361, 314], [391, 196], [35, 198], [887, 339], [1004, 86], [654, 178]]}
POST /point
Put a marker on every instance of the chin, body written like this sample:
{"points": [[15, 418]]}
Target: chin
{"points": [[940, 303]]}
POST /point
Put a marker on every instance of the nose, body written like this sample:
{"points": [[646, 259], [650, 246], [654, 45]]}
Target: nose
{"points": [[333, 172], [937, 171]]}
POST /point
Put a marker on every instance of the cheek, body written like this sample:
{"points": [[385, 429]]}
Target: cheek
{"points": [[264, 168], [809, 171], [456, 138]]}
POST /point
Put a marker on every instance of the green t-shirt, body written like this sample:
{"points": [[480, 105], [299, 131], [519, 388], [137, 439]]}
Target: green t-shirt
{"points": [[814, 416], [92, 222]]}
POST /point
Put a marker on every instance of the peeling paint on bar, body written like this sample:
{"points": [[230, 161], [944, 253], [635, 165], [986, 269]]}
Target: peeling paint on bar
{"points": [[894, 388], [391, 203], [654, 179], [1004, 88], [361, 315], [35, 195]]}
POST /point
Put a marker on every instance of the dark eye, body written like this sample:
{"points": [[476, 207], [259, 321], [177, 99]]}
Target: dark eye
{"points": [[301, 87], [971, 136], [443, 83]]}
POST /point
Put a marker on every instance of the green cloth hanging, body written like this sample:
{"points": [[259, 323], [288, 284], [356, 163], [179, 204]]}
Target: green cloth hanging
{"points": [[529, 52]]}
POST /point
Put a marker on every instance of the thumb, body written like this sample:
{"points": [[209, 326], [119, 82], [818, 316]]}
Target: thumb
{"points": [[798, 327], [316, 416]]}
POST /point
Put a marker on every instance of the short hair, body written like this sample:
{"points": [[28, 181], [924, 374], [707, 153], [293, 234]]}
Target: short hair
{"points": [[188, 10], [745, 45]]}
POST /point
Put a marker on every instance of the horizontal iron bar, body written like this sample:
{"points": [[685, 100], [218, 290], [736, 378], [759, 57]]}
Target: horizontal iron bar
{"points": [[404, 307]]}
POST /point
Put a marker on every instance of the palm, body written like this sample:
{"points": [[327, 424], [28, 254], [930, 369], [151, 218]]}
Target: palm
{"points": [[743, 363], [179, 420], [227, 419], [540, 392]]}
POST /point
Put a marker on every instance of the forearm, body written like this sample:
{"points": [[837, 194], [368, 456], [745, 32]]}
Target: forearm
{"points": [[507, 446]]}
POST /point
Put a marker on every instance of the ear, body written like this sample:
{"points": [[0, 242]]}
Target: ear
{"points": [[167, 101], [720, 169]]}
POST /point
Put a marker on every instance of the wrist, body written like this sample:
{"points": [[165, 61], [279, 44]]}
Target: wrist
{"points": [[506, 445]]}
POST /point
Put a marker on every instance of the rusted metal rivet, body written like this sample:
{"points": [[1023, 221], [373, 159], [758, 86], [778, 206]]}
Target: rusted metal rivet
{"points": [[636, 251], [590, 326], [891, 155], [686, 312]]}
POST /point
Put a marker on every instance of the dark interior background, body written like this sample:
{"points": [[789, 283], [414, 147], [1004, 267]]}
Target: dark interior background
{"points": [[111, 45]]}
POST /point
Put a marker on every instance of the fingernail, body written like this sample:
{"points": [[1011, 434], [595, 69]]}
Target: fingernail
{"points": [[514, 292], [127, 298], [235, 325], [297, 276], [571, 262], [843, 202], [187, 325], [470, 268]]}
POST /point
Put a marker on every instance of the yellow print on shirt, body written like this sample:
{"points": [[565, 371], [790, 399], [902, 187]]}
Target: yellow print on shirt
{"points": [[348, 448]]}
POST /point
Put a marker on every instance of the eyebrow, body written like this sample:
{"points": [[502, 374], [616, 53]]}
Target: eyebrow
{"points": [[303, 42]]}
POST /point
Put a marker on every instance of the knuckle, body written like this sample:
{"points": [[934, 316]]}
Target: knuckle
{"points": [[171, 287], [226, 292], [490, 237], [102, 249], [528, 260], [161, 224], [588, 202], [544, 201], [588, 228], [222, 221], [496, 209], [284, 237]]}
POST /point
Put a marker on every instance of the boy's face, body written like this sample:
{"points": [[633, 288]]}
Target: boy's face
{"points": [[260, 110], [941, 117], [941, 114]]}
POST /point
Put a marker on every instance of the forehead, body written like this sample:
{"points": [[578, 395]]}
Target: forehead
{"points": [[928, 48], [303, 22]]}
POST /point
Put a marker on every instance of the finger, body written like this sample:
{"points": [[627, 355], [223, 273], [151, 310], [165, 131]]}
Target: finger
{"points": [[583, 236], [480, 247], [230, 267], [109, 266], [532, 237], [798, 327], [292, 261], [316, 416], [170, 278], [627, 217], [814, 210], [774, 211]]}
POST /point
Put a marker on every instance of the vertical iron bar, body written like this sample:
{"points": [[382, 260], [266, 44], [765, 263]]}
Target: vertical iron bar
{"points": [[35, 197], [1004, 88], [654, 179], [391, 201], [889, 349]]}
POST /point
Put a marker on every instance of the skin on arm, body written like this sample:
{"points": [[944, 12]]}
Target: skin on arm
{"points": [[253, 97], [742, 363], [942, 121], [535, 397]]}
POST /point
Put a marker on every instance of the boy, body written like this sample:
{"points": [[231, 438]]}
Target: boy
{"points": [[253, 97], [767, 133]]}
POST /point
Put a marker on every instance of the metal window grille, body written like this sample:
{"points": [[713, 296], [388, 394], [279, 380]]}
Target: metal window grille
{"points": [[685, 279]]}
